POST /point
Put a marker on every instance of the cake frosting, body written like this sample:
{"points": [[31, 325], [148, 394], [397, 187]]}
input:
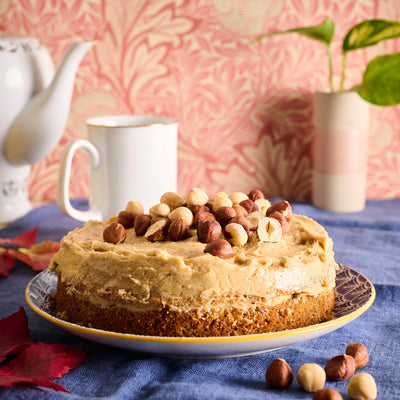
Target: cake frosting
{"points": [[178, 278]]}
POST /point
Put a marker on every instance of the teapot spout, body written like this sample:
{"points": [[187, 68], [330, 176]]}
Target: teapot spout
{"points": [[39, 126]]}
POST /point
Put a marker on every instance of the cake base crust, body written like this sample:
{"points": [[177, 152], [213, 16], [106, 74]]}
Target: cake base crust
{"points": [[297, 312]]}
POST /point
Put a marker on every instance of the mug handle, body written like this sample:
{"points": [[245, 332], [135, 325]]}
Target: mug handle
{"points": [[63, 200]]}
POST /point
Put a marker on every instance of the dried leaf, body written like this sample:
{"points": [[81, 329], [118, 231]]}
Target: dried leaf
{"points": [[39, 363], [26, 239], [6, 263], [14, 334], [37, 256]]}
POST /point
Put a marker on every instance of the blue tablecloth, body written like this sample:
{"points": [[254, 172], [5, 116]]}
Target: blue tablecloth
{"points": [[368, 241]]}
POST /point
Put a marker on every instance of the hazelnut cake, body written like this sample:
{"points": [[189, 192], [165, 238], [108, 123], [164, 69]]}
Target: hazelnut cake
{"points": [[197, 267]]}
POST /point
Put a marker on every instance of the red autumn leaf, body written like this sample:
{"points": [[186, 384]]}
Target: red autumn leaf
{"points": [[26, 239], [37, 256], [39, 363], [6, 264], [14, 334]]}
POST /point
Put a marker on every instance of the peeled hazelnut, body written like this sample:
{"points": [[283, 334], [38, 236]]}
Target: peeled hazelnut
{"points": [[159, 210], [279, 374], [208, 231], [114, 233], [280, 218], [256, 194], [219, 248], [157, 232], [135, 206], [141, 224], [249, 205], [179, 230], [327, 394], [242, 221], [311, 377], [340, 367], [240, 211], [362, 386], [181, 212], [237, 197], [224, 214], [220, 194], [263, 205], [202, 216], [221, 201], [172, 199], [269, 230], [360, 354], [126, 218], [236, 234], [196, 196]]}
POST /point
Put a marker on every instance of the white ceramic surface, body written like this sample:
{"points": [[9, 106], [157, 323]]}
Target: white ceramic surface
{"points": [[354, 295], [131, 158], [34, 104]]}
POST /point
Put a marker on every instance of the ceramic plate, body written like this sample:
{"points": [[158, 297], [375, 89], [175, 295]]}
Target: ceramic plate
{"points": [[354, 295]]}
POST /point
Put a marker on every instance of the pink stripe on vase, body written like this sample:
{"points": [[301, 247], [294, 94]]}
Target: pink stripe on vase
{"points": [[340, 152]]}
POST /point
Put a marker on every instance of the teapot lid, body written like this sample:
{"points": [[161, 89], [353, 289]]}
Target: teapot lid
{"points": [[14, 43]]}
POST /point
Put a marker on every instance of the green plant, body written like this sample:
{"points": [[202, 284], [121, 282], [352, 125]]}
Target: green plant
{"points": [[380, 84]]}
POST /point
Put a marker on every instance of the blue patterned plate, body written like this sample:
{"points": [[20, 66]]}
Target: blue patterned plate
{"points": [[354, 295]]}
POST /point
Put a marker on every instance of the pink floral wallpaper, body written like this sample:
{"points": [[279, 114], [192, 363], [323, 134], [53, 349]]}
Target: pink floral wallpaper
{"points": [[245, 110]]}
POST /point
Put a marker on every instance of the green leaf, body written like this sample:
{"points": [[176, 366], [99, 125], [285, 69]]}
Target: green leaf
{"points": [[370, 32], [323, 32], [381, 81]]}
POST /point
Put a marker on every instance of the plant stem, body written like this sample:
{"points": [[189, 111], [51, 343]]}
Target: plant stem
{"points": [[330, 66], [343, 72]]}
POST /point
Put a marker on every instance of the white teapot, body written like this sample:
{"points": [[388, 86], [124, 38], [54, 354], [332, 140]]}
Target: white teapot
{"points": [[34, 108]]}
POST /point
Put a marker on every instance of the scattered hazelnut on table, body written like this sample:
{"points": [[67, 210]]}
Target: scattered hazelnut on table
{"points": [[114, 233], [220, 248], [327, 394], [311, 377], [359, 352], [362, 386], [340, 368], [279, 374]]}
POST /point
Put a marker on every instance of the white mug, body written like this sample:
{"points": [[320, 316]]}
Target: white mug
{"points": [[131, 157]]}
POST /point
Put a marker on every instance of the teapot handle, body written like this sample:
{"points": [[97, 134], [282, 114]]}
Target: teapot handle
{"points": [[63, 199]]}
